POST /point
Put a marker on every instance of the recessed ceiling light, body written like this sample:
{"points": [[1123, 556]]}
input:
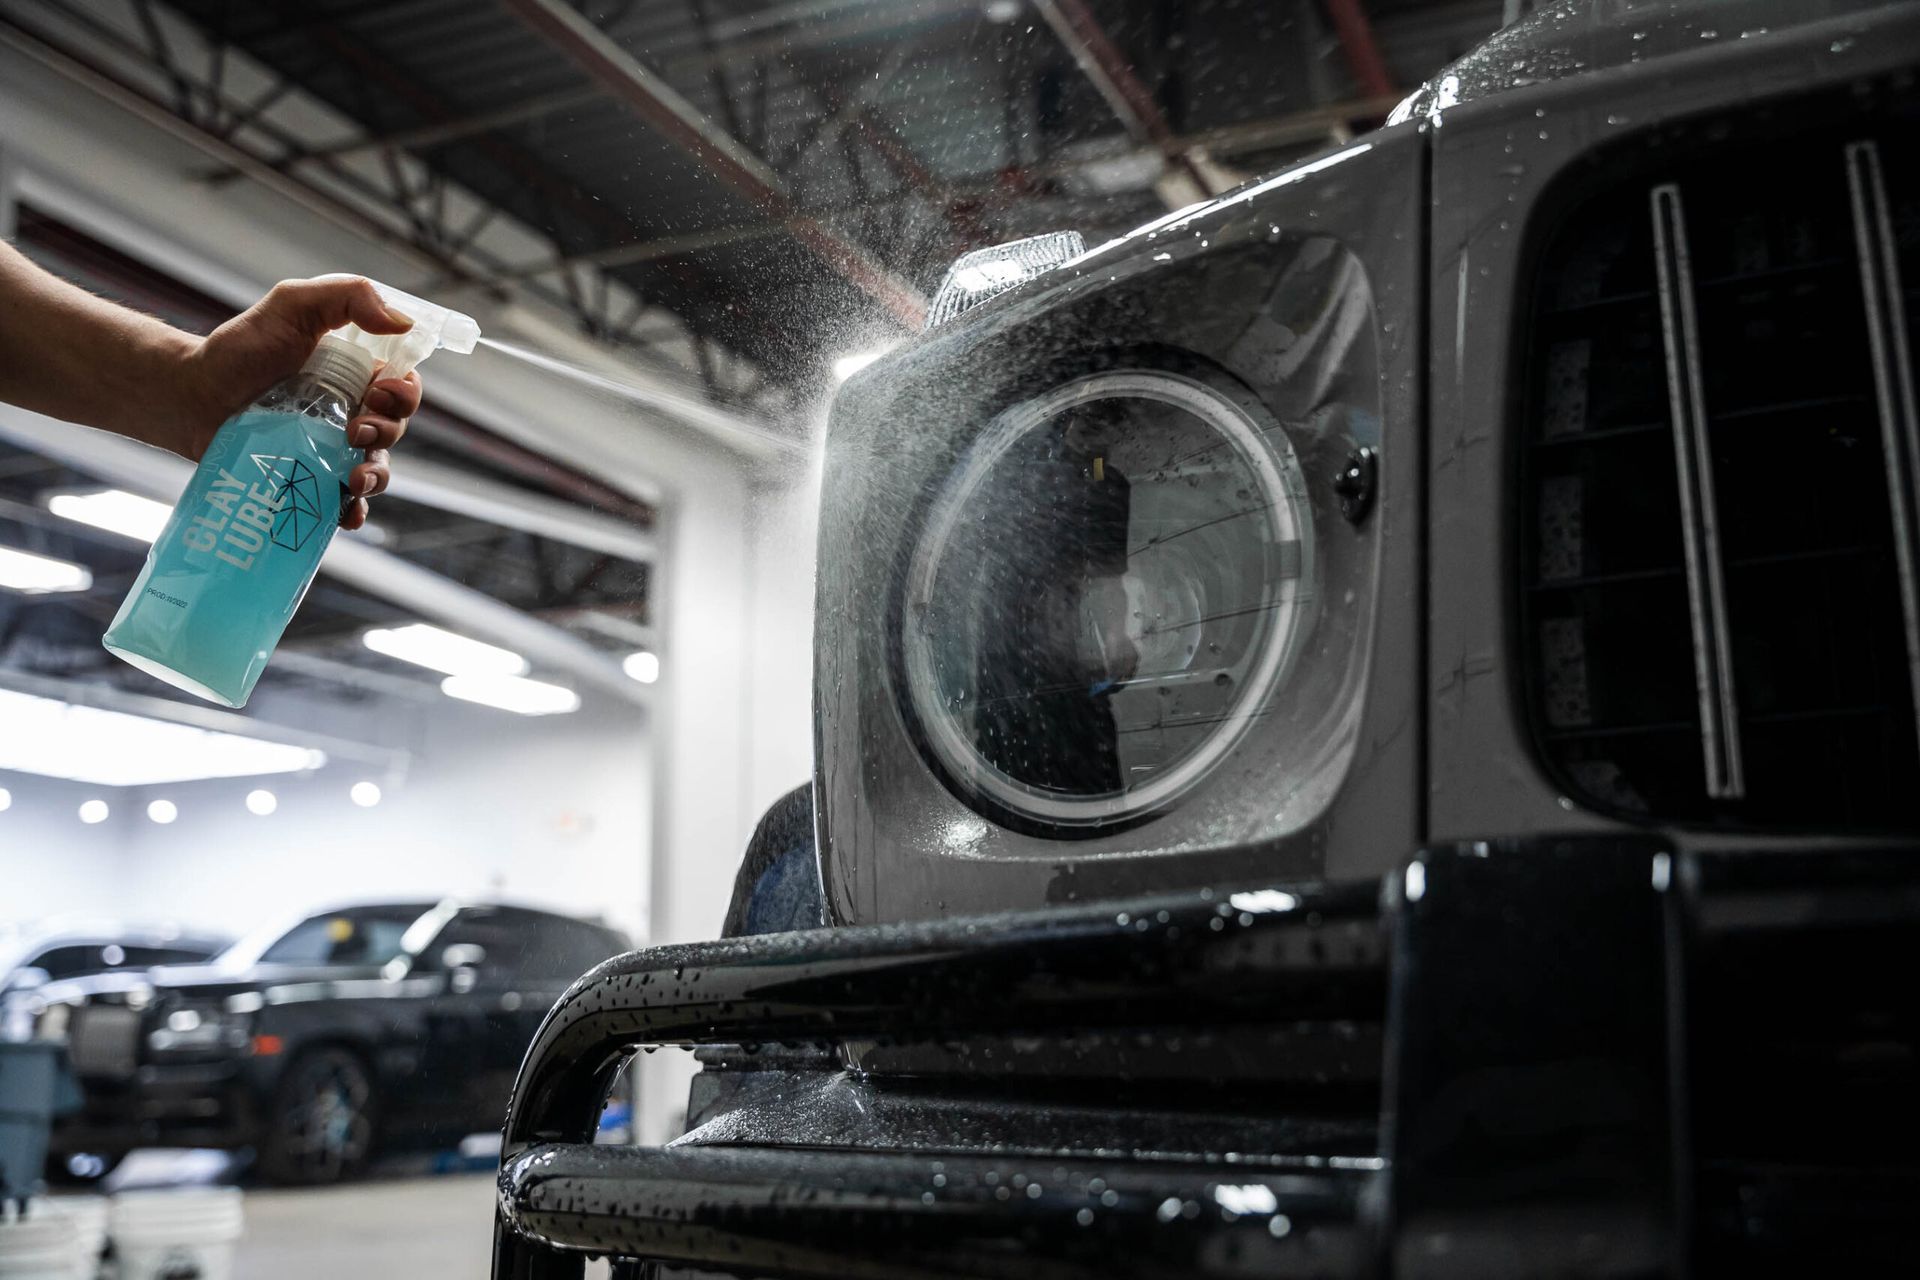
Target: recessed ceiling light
{"points": [[114, 510], [262, 801], [57, 739], [512, 693], [162, 811], [93, 811], [642, 666], [444, 651], [365, 794]]}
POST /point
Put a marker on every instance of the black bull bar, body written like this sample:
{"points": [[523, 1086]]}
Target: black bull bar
{"points": [[1534, 1067]]}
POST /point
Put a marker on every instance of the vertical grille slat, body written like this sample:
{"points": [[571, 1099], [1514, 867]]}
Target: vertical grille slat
{"points": [[1720, 468], [1892, 374], [1699, 513]]}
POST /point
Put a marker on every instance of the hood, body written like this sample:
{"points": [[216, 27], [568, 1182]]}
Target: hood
{"points": [[1580, 37]]}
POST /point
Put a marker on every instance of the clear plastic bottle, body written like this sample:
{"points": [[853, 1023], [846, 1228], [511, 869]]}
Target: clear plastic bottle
{"points": [[225, 576], [236, 558]]}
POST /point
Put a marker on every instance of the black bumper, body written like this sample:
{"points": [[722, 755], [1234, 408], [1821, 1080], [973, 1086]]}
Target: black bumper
{"points": [[1566, 1057], [185, 1104]]}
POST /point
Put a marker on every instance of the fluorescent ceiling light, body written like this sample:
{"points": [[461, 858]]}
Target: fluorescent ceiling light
{"points": [[116, 749], [512, 693], [642, 666], [36, 575], [443, 651], [114, 510]]}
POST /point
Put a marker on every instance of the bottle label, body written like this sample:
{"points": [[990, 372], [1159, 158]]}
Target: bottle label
{"points": [[228, 571], [234, 520]]}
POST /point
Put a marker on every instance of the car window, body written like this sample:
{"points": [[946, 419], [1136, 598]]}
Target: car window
{"points": [[146, 957], [568, 948], [364, 936], [71, 961], [529, 944], [503, 940]]}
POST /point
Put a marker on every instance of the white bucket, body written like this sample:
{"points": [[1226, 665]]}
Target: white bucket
{"points": [[40, 1245], [184, 1234], [88, 1213]]}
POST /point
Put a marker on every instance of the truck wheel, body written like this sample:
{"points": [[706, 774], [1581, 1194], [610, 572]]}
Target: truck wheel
{"points": [[320, 1124]]}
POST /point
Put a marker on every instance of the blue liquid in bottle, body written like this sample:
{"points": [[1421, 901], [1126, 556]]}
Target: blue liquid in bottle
{"points": [[225, 576]]}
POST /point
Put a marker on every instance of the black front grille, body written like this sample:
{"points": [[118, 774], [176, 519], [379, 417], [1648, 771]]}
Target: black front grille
{"points": [[104, 1040], [1802, 1053], [1712, 599]]}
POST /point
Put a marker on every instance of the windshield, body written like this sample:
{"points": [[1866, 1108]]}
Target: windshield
{"points": [[363, 936]]}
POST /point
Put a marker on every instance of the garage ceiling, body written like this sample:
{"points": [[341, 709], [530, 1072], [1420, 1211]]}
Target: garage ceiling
{"points": [[727, 195]]}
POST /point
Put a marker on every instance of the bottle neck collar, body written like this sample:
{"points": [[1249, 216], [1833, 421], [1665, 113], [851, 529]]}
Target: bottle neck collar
{"points": [[341, 367]]}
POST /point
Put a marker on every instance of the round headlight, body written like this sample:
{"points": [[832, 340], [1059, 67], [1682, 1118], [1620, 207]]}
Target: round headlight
{"points": [[1103, 600]]}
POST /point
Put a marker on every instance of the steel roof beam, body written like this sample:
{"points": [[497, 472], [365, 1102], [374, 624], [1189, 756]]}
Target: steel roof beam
{"points": [[1363, 51], [441, 132], [463, 493], [1101, 61], [467, 265], [196, 715], [657, 102]]}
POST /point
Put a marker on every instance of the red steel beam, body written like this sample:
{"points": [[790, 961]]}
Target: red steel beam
{"points": [[676, 119], [1102, 62], [1363, 51]]}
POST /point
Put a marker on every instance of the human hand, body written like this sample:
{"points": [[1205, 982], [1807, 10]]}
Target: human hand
{"points": [[235, 364]]}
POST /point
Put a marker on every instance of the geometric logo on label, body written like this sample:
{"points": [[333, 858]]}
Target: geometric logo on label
{"points": [[298, 493]]}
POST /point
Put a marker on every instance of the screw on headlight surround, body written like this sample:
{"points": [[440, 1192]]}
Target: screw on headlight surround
{"points": [[1355, 482]]}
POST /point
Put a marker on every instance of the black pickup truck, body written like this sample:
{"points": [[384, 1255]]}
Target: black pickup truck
{"points": [[1365, 728]]}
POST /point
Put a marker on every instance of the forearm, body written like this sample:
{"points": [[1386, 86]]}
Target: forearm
{"points": [[70, 355]]}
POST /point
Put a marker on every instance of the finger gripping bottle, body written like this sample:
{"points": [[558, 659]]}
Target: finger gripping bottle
{"points": [[225, 576]]}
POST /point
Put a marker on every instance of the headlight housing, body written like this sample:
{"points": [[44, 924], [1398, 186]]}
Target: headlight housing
{"points": [[199, 1028], [1105, 596]]}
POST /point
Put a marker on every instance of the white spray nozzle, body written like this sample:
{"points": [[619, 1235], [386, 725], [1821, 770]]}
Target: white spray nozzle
{"points": [[434, 327]]}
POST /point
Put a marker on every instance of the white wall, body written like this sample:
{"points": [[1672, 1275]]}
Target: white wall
{"points": [[50, 862], [785, 523], [550, 813], [553, 811]]}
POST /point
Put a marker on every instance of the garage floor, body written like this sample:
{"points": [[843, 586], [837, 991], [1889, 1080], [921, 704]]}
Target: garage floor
{"points": [[392, 1227], [410, 1229]]}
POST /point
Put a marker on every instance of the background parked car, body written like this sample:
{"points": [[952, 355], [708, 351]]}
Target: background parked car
{"points": [[379, 1025], [58, 951]]}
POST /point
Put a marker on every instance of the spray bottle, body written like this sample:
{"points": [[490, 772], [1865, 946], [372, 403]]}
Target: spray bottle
{"points": [[236, 557]]}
